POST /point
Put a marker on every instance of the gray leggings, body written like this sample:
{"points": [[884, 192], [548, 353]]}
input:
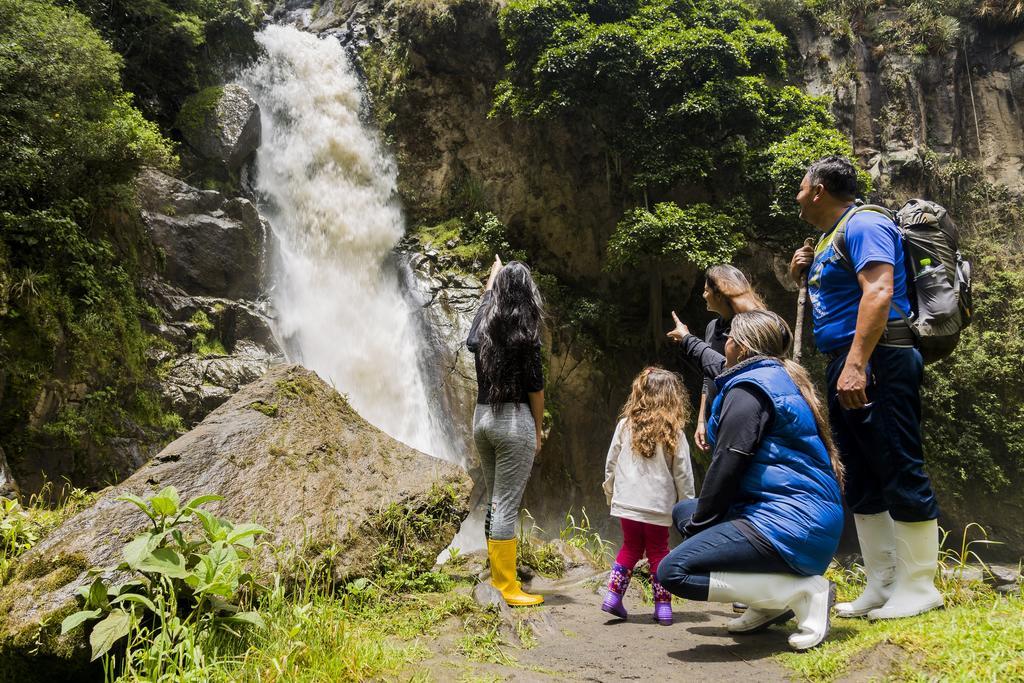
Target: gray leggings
{"points": [[507, 444]]}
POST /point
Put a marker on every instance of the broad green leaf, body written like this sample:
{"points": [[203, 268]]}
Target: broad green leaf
{"points": [[249, 618], [164, 561], [136, 598], [202, 500], [109, 631], [243, 534], [73, 621], [165, 502], [129, 498], [215, 528], [138, 549], [97, 594]]}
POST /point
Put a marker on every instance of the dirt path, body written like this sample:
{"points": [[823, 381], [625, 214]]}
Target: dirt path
{"points": [[575, 641]]}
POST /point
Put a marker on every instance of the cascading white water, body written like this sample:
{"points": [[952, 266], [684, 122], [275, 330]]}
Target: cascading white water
{"points": [[330, 191]]}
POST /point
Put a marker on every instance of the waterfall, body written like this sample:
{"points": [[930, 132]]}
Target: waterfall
{"points": [[329, 191]]}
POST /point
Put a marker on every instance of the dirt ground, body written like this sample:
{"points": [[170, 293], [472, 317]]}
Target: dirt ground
{"points": [[574, 640]]}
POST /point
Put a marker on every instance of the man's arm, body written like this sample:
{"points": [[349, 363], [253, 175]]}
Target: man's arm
{"points": [[876, 284]]}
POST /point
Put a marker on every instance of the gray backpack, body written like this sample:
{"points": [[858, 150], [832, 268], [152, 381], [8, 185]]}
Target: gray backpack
{"points": [[938, 277]]}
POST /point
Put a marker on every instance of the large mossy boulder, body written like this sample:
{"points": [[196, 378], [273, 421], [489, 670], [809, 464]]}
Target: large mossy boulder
{"points": [[221, 124], [287, 452]]}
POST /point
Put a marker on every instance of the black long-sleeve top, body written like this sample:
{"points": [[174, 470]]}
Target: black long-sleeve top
{"points": [[745, 418], [528, 363]]}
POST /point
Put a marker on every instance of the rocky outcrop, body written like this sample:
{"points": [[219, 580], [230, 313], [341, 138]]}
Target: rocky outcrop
{"points": [[219, 334], [968, 102], [211, 244], [287, 452], [221, 124], [8, 487]]}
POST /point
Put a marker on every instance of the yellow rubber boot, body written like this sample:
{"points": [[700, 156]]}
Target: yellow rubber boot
{"points": [[503, 573]]}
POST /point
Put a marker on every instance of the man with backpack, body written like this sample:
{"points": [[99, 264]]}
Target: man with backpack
{"points": [[859, 293]]}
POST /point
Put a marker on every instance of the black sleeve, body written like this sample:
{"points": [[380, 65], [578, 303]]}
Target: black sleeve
{"points": [[473, 340], [707, 388], [711, 362], [533, 376], [746, 417]]}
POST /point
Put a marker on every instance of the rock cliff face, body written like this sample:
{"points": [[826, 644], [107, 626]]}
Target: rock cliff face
{"points": [[967, 102]]}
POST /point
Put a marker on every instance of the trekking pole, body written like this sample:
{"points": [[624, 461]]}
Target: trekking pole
{"points": [[801, 303]]}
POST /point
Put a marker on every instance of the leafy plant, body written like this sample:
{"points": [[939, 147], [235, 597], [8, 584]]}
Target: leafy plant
{"points": [[183, 590]]}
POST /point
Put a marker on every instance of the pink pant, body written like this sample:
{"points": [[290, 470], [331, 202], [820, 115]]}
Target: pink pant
{"points": [[638, 537]]}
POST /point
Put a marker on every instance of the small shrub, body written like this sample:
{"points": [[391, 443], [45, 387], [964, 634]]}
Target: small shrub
{"points": [[187, 590]]}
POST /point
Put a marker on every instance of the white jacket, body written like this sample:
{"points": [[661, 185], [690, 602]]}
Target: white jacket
{"points": [[645, 489]]}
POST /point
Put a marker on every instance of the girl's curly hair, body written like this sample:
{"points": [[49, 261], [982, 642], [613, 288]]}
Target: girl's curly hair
{"points": [[657, 410]]}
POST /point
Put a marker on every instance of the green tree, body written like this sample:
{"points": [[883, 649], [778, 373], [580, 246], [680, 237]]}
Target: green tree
{"points": [[70, 143], [173, 48], [689, 97]]}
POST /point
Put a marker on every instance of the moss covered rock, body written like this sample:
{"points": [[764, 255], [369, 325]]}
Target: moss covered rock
{"points": [[325, 481], [222, 124]]}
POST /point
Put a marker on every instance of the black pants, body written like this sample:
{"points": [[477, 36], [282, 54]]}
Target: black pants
{"points": [[686, 571], [881, 444]]}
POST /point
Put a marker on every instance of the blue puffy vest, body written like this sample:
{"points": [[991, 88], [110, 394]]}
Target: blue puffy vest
{"points": [[788, 492]]}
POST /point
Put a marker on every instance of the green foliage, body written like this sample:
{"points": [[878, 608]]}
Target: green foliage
{"points": [[202, 344], [785, 164], [698, 234], [70, 141], [183, 590], [973, 421], [471, 242], [197, 109], [172, 48], [683, 92], [405, 533]]}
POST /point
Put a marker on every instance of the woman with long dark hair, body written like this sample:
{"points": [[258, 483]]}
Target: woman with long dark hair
{"points": [[505, 341]]}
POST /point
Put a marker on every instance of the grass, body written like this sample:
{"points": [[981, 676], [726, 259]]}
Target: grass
{"points": [[21, 527], [979, 636]]}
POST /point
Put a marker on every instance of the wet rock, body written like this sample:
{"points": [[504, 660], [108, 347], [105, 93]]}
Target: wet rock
{"points": [[997, 576], [8, 486], [211, 245], [487, 595], [221, 124], [312, 471]]}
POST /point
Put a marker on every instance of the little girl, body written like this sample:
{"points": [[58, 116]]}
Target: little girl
{"points": [[648, 471]]}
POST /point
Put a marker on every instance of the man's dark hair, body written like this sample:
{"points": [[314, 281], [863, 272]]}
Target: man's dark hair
{"points": [[837, 175]]}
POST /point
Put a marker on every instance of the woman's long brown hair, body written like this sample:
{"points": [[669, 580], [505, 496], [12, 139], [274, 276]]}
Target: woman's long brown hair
{"points": [[657, 410]]}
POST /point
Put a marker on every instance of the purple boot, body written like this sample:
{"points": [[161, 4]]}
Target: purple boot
{"points": [[662, 604], [618, 582]]}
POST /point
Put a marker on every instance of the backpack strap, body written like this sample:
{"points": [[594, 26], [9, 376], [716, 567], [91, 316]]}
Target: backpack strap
{"points": [[838, 238], [839, 234]]}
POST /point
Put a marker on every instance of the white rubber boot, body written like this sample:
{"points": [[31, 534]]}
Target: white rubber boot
{"points": [[878, 547], [810, 598], [755, 620], [917, 559]]}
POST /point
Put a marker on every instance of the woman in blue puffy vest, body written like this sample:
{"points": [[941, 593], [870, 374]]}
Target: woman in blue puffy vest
{"points": [[769, 515]]}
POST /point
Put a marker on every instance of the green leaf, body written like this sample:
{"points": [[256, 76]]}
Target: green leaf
{"points": [[166, 502], [243, 534], [215, 528], [97, 594], [109, 631], [73, 621], [202, 500], [139, 549], [137, 599], [129, 498], [247, 618], [164, 561]]}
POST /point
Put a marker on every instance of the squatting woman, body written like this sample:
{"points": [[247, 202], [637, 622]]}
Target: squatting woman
{"points": [[505, 341], [769, 515]]}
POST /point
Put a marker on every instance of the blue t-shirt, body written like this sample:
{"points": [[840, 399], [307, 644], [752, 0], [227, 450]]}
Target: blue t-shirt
{"points": [[835, 292]]}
